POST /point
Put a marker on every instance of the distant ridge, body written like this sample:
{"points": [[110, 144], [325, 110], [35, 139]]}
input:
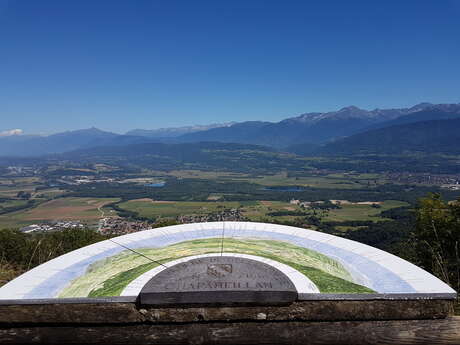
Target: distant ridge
{"points": [[313, 128], [173, 132], [430, 113], [62, 142], [434, 136]]}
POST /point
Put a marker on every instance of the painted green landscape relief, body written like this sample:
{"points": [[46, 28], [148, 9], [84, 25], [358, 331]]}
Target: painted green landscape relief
{"points": [[110, 276]]}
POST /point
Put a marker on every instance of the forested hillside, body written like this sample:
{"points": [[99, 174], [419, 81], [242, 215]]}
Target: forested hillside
{"points": [[437, 136]]}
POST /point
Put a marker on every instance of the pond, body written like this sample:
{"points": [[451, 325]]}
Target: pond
{"points": [[155, 185]]}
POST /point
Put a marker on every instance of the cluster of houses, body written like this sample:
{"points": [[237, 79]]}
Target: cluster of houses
{"points": [[83, 179], [304, 204], [448, 180], [121, 226], [55, 226], [233, 214]]}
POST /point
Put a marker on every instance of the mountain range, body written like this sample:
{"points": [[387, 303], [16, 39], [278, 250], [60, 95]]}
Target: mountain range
{"points": [[175, 131], [435, 136], [310, 132], [311, 128]]}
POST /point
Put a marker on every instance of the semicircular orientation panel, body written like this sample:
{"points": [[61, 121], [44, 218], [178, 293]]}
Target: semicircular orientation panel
{"points": [[218, 279], [334, 265], [300, 281]]}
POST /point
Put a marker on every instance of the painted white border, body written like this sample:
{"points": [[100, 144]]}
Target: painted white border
{"points": [[300, 281], [420, 280]]}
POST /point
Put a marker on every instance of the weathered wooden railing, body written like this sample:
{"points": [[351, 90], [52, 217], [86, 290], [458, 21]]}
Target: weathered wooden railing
{"points": [[121, 320]]}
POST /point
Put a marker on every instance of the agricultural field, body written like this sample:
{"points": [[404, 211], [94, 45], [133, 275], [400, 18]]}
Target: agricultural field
{"points": [[362, 211], [86, 210], [260, 211], [337, 181], [12, 203], [253, 210], [149, 208], [19, 180], [10, 187], [49, 193], [207, 175]]}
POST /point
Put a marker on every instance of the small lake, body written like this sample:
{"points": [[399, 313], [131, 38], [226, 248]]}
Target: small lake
{"points": [[285, 188], [155, 185]]}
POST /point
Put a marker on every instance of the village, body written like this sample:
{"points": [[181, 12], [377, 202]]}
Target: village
{"points": [[443, 180], [52, 226], [233, 214]]}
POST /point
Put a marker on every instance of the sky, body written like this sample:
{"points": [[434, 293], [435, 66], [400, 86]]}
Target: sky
{"points": [[120, 65]]}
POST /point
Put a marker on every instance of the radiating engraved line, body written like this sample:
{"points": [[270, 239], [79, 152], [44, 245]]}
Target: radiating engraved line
{"points": [[222, 240], [157, 262]]}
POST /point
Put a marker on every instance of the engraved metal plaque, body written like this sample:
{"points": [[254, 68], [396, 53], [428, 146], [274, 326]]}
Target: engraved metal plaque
{"points": [[219, 280]]}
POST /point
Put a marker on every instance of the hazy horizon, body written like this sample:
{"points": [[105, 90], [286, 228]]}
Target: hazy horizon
{"points": [[19, 131]]}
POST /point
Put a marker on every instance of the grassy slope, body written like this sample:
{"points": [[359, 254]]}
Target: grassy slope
{"points": [[110, 276], [362, 212]]}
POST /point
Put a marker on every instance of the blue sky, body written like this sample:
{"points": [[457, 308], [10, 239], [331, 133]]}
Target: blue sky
{"points": [[119, 65]]}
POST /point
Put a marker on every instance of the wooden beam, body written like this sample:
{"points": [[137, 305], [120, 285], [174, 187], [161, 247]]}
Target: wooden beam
{"points": [[408, 332], [328, 310]]}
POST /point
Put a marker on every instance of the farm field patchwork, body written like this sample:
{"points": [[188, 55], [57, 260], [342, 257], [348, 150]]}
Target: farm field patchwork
{"points": [[10, 191], [337, 181], [362, 212], [12, 203], [169, 209], [253, 210], [70, 208], [9, 187], [200, 174], [49, 193], [263, 211], [259, 211]]}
